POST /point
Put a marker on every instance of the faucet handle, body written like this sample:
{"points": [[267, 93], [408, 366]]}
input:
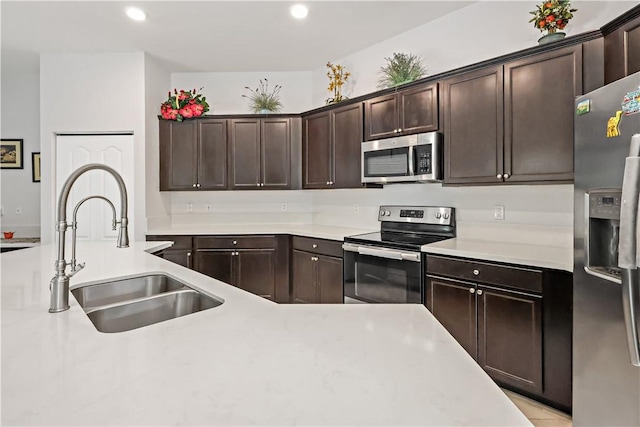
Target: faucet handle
{"points": [[75, 268]]}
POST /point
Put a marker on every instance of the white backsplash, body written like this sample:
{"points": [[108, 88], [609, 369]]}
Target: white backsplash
{"points": [[534, 214]]}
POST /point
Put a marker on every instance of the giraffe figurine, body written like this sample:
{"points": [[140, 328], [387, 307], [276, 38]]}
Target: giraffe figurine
{"points": [[613, 125]]}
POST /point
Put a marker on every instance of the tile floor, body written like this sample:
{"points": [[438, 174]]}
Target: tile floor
{"points": [[540, 415]]}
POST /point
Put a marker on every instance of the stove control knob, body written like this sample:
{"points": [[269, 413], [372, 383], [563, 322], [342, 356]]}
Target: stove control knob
{"points": [[438, 215], [387, 213], [381, 213], [445, 215]]}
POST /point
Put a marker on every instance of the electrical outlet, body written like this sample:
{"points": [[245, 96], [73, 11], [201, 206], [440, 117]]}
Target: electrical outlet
{"points": [[498, 212], [284, 207], [190, 207], [19, 210], [356, 207], [209, 207]]}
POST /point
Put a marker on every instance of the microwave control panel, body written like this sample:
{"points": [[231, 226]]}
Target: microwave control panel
{"points": [[424, 159]]}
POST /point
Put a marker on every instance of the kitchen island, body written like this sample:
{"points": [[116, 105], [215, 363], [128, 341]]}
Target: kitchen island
{"points": [[246, 362]]}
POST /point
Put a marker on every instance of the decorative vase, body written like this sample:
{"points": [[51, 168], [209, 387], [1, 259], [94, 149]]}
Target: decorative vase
{"points": [[551, 37], [264, 111]]}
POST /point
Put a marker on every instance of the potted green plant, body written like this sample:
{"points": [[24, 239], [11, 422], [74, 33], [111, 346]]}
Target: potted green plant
{"points": [[401, 68], [551, 16], [261, 100]]}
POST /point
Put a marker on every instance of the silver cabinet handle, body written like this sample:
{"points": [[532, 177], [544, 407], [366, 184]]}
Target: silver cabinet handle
{"points": [[194, 185], [399, 130], [198, 185], [328, 182], [472, 291], [235, 242], [499, 176], [479, 292], [476, 272], [314, 246], [188, 259], [395, 131], [314, 258], [506, 176]]}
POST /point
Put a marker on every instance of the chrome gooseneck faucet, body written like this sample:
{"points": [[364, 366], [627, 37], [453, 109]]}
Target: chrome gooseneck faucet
{"points": [[60, 282]]}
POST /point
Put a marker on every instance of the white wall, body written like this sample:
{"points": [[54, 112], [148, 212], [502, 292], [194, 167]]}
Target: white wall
{"points": [[224, 90], [478, 32], [91, 93], [20, 120], [157, 80]]}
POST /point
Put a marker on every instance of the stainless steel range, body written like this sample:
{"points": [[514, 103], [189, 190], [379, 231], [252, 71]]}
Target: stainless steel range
{"points": [[386, 267]]}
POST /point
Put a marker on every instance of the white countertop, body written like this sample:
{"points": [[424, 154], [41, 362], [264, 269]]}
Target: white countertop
{"points": [[306, 230], [246, 362], [20, 242], [558, 258]]}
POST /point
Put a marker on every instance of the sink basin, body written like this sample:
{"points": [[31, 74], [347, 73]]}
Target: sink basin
{"points": [[126, 304], [125, 289], [135, 314]]}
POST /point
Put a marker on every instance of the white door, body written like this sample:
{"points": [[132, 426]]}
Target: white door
{"points": [[95, 216]]}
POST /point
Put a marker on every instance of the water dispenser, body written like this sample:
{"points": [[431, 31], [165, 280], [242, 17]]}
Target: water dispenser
{"points": [[602, 209]]}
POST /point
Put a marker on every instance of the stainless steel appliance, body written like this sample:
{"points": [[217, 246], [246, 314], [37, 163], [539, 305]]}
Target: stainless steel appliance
{"points": [[410, 158], [386, 267], [606, 384]]}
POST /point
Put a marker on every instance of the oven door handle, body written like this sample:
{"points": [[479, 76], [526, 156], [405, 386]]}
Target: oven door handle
{"points": [[382, 253]]}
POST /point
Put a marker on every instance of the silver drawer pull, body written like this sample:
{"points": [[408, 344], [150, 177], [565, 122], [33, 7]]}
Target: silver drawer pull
{"points": [[479, 292], [314, 246], [472, 291], [476, 272]]}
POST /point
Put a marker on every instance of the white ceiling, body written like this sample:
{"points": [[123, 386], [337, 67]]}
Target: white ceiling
{"points": [[209, 35]]}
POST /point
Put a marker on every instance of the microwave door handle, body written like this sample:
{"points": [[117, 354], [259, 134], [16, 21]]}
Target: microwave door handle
{"points": [[412, 161]]}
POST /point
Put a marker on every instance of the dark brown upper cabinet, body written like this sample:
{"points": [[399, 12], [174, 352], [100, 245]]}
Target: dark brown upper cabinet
{"points": [[260, 155], [406, 112], [513, 122], [331, 144], [193, 155], [622, 46]]}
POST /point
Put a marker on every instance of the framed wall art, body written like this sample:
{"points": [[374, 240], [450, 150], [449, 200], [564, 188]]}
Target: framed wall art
{"points": [[11, 154], [35, 167]]}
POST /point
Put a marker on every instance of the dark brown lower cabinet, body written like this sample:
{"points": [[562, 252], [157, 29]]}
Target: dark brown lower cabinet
{"points": [[514, 321], [181, 252], [316, 271], [256, 264]]}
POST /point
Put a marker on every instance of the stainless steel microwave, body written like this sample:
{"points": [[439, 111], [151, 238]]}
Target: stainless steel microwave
{"points": [[410, 158]]}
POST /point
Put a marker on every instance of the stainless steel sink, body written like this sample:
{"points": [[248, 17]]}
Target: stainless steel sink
{"points": [[126, 304], [125, 289]]}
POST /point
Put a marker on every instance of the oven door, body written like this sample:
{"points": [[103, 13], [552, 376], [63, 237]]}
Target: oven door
{"points": [[380, 275]]}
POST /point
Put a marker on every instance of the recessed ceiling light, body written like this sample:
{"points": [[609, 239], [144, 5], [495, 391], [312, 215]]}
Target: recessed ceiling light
{"points": [[299, 11], [136, 14]]}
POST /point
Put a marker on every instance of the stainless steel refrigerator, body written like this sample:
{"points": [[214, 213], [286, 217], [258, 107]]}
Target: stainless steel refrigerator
{"points": [[606, 378]]}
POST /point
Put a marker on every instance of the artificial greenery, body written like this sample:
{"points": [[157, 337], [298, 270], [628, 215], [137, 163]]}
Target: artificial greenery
{"points": [[261, 99], [401, 68]]}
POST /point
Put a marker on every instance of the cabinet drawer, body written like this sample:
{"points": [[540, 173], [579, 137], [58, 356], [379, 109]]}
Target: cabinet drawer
{"points": [[480, 272], [179, 242], [318, 246], [240, 242]]}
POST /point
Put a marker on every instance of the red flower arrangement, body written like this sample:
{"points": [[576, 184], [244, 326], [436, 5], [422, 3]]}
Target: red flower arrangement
{"points": [[552, 15], [184, 105]]}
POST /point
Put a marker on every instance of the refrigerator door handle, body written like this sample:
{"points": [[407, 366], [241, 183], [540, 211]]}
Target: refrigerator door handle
{"points": [[630, 307]]}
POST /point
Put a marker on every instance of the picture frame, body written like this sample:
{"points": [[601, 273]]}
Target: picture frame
{"points": [[11, 156], [35, 167]]}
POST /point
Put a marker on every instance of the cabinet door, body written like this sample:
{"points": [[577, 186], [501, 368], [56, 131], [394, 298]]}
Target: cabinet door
{"points": [[178, 155], [329, 280], [419, 109], [256, 272], [304, 279], [316, 151], [346, 129], [215, 263], [180, 257], [276, 153], [245, 154], [539, 95], [510, 337], [453, 303], [622, 51], [212, 155], [381, 117], [473, 109]]}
